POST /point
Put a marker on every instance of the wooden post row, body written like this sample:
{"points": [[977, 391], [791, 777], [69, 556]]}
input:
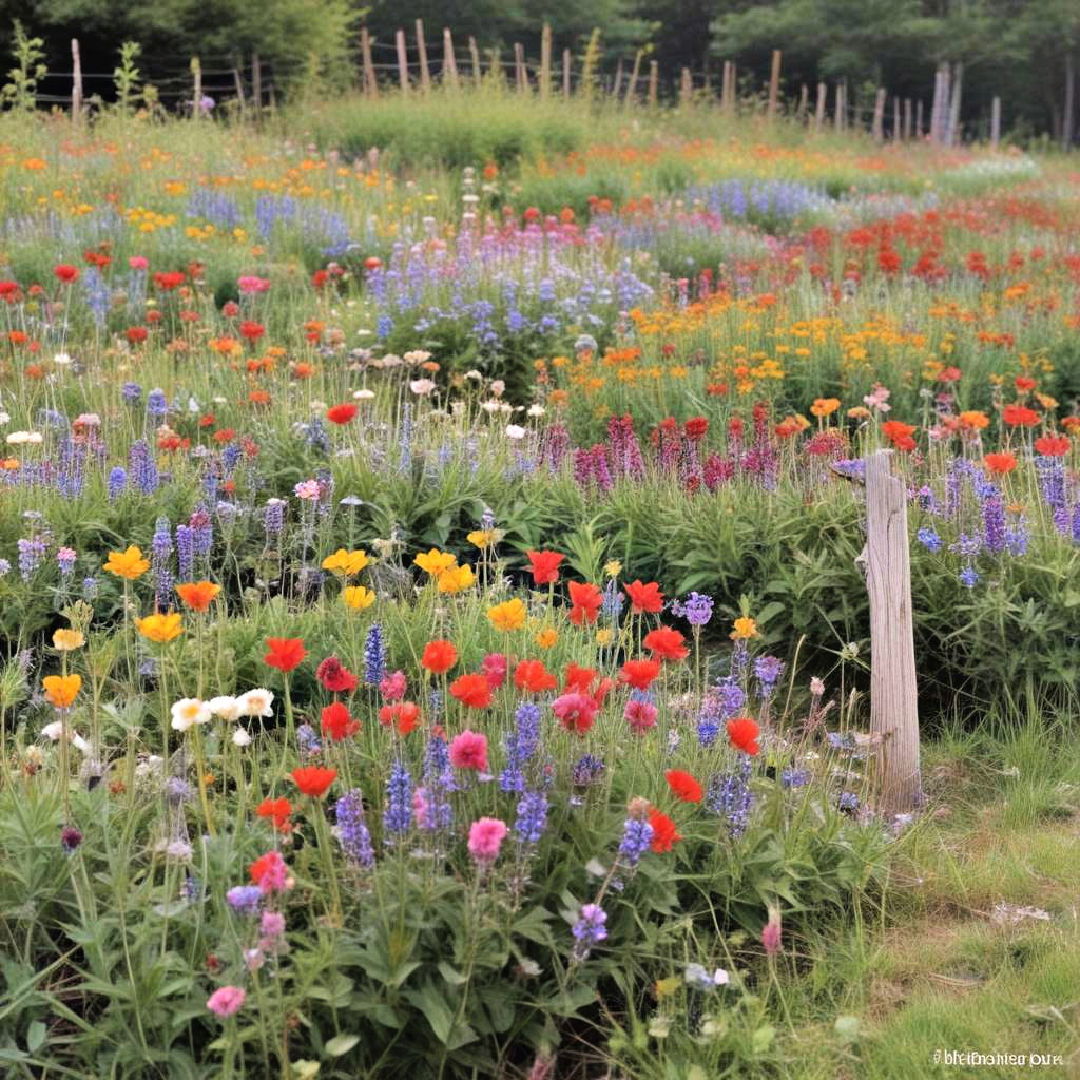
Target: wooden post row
{"points": [[774, 83], [545, 61], [894, 706], [402, 62], [450, 72], [474, 60], [819, 109], [76, 83], [567, 72], [421, 48]]}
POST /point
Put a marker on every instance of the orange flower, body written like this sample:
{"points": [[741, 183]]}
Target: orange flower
{"points": [[533, 677], [439, 656], [313, 780], [198, 595], [61, 690], [1000, 464], [278, 810], [404, 716], [1053, 445], [473, 691], [128, 564], [585, 600], [645, 598]]}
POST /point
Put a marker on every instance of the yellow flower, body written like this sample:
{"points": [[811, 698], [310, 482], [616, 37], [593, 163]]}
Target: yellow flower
{"points": [[605, 637], [346, 563], [485, 538], [456, 579], [60, 690], [665, 988], [745, 628], [357, 597], [613, 568], [435, 562], [547, 638], [67, 640], [507, 616], [160, 628], [128, 564]]}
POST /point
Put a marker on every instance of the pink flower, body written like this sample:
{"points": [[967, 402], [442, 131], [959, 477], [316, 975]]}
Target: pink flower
{"points": [[493, 668], [420, 807], [772, 933], [640, 715], [576, 712], [139, 262], [485, 839], [469, 751], [225, 1001], [273, 924], [249, 283], [393, 686]]}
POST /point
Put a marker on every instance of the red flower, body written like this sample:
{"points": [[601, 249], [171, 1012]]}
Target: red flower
{"points": [[1000, 463], [579, 679], [285, 653], [252, 331], [335, 676], [473, 691], [313, 780], [137, 334], [645, 598], [544, 566], [1025, 382], [341, 414], [493, 667], [639, 674], [1053, 445], [683, 785], [696, 427], [664, 833], [743, 733], [585, 600], [665, 643], [404, 716], [576, 712], [278, 810], [66, 274], [439, 656], [533, 677], [1019, 416], [168, 280], [899, 434], [337, 724]]}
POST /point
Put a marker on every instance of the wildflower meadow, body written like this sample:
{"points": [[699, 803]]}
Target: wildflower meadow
{"points": [[435, 630]]}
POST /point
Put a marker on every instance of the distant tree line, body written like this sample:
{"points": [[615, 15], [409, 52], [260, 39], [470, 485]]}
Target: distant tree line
{"points": [[1026, 51]]}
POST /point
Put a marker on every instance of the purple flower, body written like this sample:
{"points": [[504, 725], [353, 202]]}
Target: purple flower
{"points": [[589, 930], [352, 828], [245, 899], [696, 609], [532, 811]]}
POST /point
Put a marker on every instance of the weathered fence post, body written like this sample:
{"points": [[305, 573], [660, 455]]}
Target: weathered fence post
{"points": [[520, 74], [727, 87], [474, 60], [402, 62], [907, 119], [421, 48], [819, 110], [841, 108], [774, 84], [952, 129], [256, 82], [238, 84], [895, 119], [545, 61], [686, 88], [894, 706], [618, 80], [631, 89], [450, 72], [878, 123], [196, 78], [1068, 121], [919, 119], [995, 122], [567, 72], [76, 83], [654, 83], [804, 102]]}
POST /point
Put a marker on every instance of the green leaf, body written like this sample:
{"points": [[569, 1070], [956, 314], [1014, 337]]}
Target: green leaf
{"points": [[340, 1045], [35, 1036], [763, 1038]]}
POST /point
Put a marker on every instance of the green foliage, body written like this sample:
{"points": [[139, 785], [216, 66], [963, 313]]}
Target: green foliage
{"points": [[21, 89]]}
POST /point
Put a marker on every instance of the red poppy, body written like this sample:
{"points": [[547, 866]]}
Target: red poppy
{"points": [[665, 643], [1053, 445], [664, 833], [341, 414], [579, 679], [585, 600], [252, 331], [1000, 463], [439, 656], [335, 676], [278, 811], [337, 724], [403, 716], [66, 274], [285, 653], [473, 691], [544, 566], [168, 280], [1025, 382], [696, 428], [645, 598], [639, 674], [684, 785], [743, 733], [899, 434], [314, 780], [1019, 416], [137, 334], [576, 712], [533, 677]]}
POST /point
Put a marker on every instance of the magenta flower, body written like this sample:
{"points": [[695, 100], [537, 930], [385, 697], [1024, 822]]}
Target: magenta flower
{"points": [[393, 686], [640, 715], [469, 751], [772, 933], [493, 668], [225, 1001], [485, 839]]}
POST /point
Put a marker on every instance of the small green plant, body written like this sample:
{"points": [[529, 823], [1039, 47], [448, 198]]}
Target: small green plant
{"points": [[126, 77], [20, 92]]}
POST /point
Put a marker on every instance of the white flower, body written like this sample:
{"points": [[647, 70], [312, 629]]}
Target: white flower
{"points": [[189, 711], [497, 388], [474, 375], [80, 743], [62, 358], [536, 410], [240, 737], [228, 708], [421, 386], [417, 356], [256, 702], [18, 438], [4, 418], [363, 395], [54, 730], [515, 431], [490, 406]]}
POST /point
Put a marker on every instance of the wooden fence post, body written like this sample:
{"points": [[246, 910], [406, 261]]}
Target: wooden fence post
{"points": [[686, 88], [819, 110], [450, 72], [774, 84], [474, 60], [840, 106], [567, 72], [196, 78], [878, 123], [727, 87], [545, 61], [76, 83], [238, 83], [1068, 112], [952, 130], [654, 83], [618, 80], [804, 103], [421, 48], [894, 705], [520, 75], [895, 119], [402, 62], [995, 123], [907, 118], [631, 89], [256, 83], [919, 118]]}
